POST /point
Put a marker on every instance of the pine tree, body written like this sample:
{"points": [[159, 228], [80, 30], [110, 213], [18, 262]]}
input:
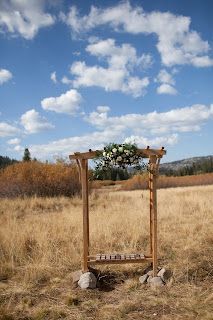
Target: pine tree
{"points": [[27, 156]]}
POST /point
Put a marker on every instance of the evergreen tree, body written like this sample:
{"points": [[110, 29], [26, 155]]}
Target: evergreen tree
{"points": [[27, 155]]}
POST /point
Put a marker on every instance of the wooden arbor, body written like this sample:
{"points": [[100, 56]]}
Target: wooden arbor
{"points": [[89, 260]]}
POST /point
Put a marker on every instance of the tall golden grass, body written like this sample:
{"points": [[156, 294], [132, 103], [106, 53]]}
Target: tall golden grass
{"points": [[41, 244]]}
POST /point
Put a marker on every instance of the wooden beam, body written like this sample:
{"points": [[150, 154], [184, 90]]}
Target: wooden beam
{"points": [[119, 261], [144, 153]]}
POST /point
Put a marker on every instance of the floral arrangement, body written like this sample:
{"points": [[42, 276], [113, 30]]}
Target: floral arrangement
{"points": [[119, 155]]}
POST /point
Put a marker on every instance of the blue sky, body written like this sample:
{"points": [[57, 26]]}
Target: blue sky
{"points": [[76, 75]]}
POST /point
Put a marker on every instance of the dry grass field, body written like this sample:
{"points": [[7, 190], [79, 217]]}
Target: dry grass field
{"points": [[41, 245]]}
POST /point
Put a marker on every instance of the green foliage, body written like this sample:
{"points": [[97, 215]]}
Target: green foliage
{"points": [[117, 156], [205, 166], [6, 161], [27, 156]]}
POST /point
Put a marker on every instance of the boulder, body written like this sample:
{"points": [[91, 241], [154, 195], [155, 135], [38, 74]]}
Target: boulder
{"points": [[87, 281], [164, 274], [76, 277], [156, 281], [143, 279]]}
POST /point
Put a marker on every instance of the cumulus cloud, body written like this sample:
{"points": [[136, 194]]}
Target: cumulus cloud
{"points": [[95, 140], [33, 122], [177, 44], [5, 75], [18, 148], [65, 80], [176, 120], [164, 77], [163, 126], [103, 108], [121, 62], [53, 77], [67, 103], [7, 130], [24, 17], [156, 142], [14, 141], [166, 89]]}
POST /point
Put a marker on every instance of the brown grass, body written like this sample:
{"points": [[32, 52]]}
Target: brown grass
{"points": [[42, 179], [141, 182], [41, 244]]}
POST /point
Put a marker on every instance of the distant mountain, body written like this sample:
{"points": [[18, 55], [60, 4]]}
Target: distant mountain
{"points": [[180, 164]]}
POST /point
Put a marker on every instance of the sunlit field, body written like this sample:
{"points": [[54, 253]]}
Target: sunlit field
{"points": [[41, 245]]}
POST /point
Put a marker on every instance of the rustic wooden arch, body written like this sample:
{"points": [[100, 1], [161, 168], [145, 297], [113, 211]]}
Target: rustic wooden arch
{"points": [[89, 260]]}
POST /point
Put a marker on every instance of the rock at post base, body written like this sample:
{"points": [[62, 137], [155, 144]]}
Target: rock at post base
{"points": [[156, 281], [164, 274], [76, 277], [87, 281], [143, 279]]}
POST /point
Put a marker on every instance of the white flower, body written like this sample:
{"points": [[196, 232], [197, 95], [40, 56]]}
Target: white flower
{"points": [[111, 163], [104, 154], [119, 158], [114, 150], [131, 159], [127, 153], [103, 163], [120, 149]]}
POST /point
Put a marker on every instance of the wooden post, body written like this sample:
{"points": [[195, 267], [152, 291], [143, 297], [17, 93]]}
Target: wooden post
{"points": [[153, 202], [150, 204], [84, 177]]}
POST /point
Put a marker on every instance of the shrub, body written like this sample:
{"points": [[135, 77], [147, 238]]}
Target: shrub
{"points": [[141, 182], [42, 179]]}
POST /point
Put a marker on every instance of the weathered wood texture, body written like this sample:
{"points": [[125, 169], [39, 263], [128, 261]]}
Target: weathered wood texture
{"points": [[154, 161], [144, 153]]}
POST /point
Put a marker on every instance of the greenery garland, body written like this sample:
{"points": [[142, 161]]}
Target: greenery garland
{"points": [[117, 155]]}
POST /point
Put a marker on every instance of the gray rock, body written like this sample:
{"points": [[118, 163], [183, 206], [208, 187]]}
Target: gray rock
{"points": [[150, 268], [156, 281], [143, 278], [164, 274], [76, 277], [150, 273], [149, 278], [87, 281]]}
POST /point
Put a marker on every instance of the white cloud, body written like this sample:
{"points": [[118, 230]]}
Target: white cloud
{"points": [[5, 75], [164, 77], [67, 103], [18, 148], [177, 44], [103, 108], [14, 141], [65, 80], [33, 122], [166, 89], [110, 79], [53, 77], [164, 125], [117, 57], [121, 62], [156, 142], [24, 17], [7, 130], [95, 141], [176, 120]]}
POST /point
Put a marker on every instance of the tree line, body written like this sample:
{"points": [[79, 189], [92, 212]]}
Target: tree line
{"points": [[205, 166]]}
